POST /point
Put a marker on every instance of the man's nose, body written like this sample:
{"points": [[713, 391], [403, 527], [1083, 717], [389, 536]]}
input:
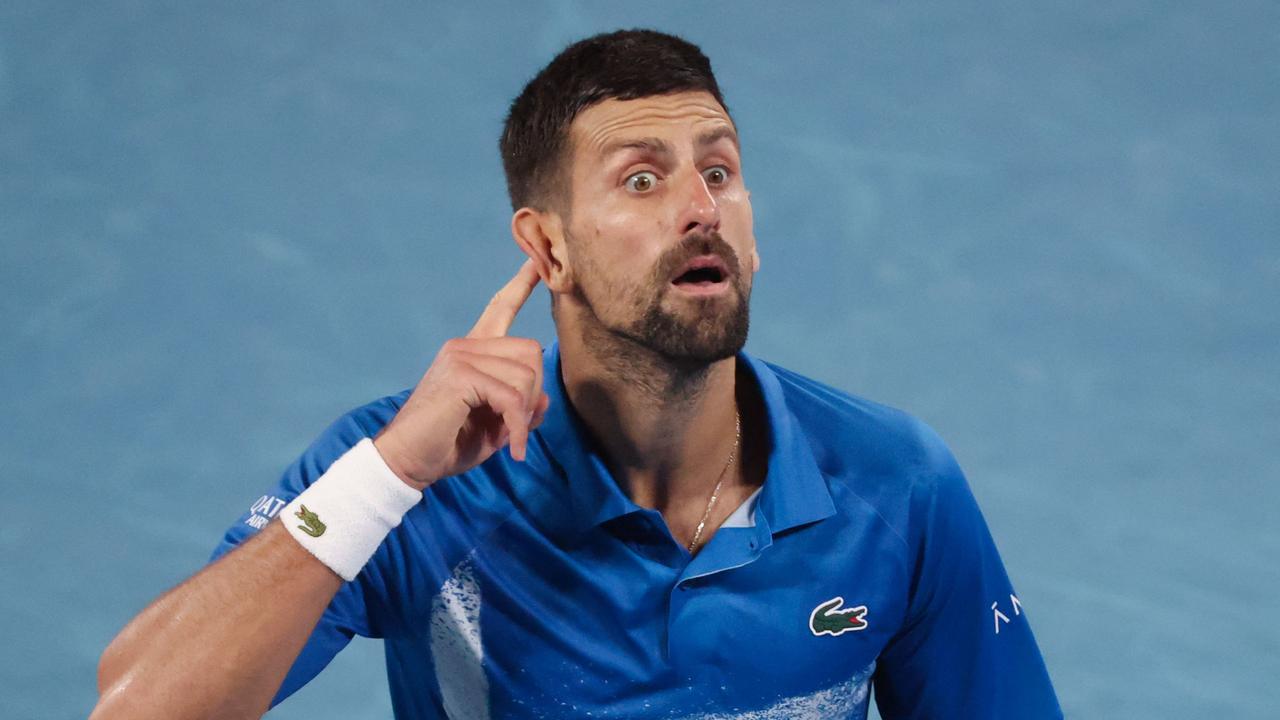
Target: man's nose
{"points": [[698, 209]]}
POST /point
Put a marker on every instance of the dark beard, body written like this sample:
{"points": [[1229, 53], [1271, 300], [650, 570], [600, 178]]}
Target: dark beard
{"points": [[686, 346], [711, 338]]}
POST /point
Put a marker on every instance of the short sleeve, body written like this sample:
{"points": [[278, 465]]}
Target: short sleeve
{"points": [[355, 610], [965, 648]]}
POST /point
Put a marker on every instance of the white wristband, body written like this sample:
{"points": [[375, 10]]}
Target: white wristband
{"points": [[348, 511]]}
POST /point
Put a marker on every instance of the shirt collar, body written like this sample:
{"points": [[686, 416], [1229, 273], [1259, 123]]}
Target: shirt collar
{"points": [[794, 491]]}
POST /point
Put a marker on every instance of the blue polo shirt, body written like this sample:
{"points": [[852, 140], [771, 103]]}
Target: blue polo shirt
{"points": [[539, 590]]}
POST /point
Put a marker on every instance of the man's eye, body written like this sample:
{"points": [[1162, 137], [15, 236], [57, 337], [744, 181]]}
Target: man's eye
{"points": [[717, 175], [642, 181]]}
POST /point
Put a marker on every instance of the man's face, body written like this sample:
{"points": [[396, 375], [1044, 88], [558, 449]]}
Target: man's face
{"points": [[657, 183]]}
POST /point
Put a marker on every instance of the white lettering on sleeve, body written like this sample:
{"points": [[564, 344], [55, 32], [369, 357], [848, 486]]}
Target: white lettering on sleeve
{"points": [[262, 510], [998, 617]]}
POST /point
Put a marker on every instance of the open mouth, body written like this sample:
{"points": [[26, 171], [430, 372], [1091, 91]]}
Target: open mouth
{"points": [[703, 275]]}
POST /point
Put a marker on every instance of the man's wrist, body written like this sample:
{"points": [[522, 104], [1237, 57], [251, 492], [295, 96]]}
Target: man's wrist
{"points": [[346, 513], [409, 473]]}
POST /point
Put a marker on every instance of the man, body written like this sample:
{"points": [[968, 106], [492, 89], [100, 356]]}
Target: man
{"points": [[640, 520]]}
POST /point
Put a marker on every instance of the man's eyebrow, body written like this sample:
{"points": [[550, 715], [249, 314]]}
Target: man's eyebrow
{"points": [[716, 134], [658, 146]]}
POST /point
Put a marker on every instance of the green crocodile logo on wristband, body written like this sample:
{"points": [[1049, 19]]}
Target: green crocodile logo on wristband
{"points": [[313, 526]]}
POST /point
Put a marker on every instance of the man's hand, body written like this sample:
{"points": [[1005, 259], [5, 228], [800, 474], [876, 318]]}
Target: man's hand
{"points": [[221, 643], [480, 391]]}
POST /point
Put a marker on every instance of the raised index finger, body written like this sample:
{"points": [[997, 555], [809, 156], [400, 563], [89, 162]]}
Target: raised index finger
{"points": [[501, 312]]}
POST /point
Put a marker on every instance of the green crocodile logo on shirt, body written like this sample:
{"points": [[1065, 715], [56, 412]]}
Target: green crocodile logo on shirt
{"points": [[313, 526], [829, 619]]}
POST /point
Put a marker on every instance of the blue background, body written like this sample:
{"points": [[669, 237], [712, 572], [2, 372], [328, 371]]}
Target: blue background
{"points": [[1051, 233]]}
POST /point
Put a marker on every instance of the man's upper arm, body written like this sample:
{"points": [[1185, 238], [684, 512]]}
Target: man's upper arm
{"points": [[349, 613], [965, 648]]}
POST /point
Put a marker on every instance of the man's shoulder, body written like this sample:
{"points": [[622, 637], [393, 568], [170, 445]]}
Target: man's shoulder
{"points": [[874, 456], [853, 436]]}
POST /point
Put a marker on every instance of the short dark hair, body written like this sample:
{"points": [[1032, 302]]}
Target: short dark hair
{"points": [[623, 65]]}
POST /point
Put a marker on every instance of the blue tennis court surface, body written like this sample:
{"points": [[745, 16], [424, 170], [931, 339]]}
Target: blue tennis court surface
{"points": [[1050, 233]]}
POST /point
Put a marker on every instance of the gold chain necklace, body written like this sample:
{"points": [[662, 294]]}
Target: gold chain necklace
{"points": [[737, 437]]}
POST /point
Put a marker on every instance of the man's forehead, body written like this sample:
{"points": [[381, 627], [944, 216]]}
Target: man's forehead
{"points": [[607, 123]]}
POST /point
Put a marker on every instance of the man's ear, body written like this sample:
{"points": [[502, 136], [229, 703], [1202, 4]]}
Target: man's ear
{"points": [[541, 236]]}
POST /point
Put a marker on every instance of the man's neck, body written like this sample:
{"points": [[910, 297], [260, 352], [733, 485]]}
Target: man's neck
{"points": [[666, 429]]}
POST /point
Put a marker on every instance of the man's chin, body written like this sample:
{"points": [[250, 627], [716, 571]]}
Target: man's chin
{"points": [[686, 331], [691, 341]]}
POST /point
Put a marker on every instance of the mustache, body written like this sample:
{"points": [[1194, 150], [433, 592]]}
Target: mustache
{"points": [[691, 246]]}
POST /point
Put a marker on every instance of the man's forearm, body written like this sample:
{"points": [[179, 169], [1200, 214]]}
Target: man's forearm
{"points": [[219, 644]]}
